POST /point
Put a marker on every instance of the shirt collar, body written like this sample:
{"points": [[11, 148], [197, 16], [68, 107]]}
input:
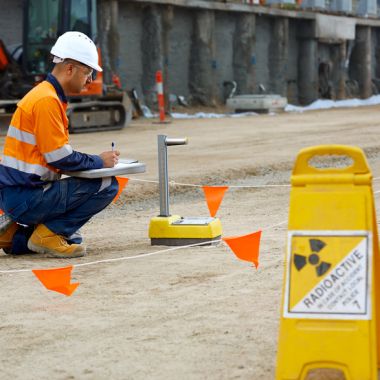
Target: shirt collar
{"points": [[53, 80]]}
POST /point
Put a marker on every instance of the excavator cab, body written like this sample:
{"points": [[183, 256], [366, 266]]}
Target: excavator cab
{"points": [[45, 21], [98, 106]]}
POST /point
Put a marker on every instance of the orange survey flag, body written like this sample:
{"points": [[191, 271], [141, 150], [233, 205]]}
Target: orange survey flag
{"points": [[214, 196], [246, 247], [122, 183], [57, 279]]}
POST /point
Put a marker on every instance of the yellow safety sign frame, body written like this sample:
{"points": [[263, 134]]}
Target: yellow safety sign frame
{"points": [[331, 281]]}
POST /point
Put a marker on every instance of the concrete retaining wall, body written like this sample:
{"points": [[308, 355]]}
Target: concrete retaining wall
{"points": [[287, 52], [180, 38]]}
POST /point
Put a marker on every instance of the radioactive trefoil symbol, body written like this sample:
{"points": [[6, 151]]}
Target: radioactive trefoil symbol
{"points": [[316, 246]]}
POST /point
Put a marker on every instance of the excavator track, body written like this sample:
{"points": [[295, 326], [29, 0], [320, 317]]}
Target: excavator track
{"points": [[99, 115]]}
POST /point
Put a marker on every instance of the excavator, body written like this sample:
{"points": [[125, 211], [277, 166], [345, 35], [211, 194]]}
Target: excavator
{"points": [[100, 106]]}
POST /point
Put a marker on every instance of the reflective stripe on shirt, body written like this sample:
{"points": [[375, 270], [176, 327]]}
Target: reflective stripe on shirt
{"points": [[45, 173], [22, 136], [58, 154]]}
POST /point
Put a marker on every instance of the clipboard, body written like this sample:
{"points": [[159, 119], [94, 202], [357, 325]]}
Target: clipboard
{"points": [[124, 166]]}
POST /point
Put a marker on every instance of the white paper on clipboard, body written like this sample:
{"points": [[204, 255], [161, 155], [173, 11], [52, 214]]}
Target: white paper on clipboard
{"points": [[124, 166]]}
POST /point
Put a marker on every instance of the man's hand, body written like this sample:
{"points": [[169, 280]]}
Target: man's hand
{"points": [[110, 158]]}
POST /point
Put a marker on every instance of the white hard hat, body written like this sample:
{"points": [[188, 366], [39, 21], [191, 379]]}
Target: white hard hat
{"points": [[77, 46]]}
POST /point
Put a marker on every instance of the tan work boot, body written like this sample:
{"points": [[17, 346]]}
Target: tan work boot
{"points": [[6, 235], [45, 241]]}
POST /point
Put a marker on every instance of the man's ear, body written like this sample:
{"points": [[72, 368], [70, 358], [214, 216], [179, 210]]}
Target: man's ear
{"points": [[69, 68]]}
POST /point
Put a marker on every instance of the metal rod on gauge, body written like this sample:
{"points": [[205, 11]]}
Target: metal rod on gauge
{"points": [[163, 142]]}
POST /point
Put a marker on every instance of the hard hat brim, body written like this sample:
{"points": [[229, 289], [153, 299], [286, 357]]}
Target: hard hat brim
{"points": [[79, 47], [95, 67], [58, 59]]}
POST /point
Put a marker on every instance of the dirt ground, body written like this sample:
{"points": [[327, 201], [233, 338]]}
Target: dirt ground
{"points": [[194, 313]]}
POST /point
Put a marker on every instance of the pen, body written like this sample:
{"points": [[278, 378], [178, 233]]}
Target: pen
{"points": [[112, 146]]}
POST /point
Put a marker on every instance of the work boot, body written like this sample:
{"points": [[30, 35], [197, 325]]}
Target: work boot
{"points": [[7, 230], [45, 241]]}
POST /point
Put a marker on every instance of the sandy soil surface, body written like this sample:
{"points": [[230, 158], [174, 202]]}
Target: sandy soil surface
{"points": [[194, 313]]}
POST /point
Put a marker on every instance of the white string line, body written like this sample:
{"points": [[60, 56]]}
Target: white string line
{"points": [[142, 255], [192, 185], [146, 254], [275, 225], [142, 180], [108, 260], [14, 271], [173, 183], [120, 258]]}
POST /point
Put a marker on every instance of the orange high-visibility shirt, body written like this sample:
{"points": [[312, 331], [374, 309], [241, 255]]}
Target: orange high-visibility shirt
{"points": [[37, 138]]}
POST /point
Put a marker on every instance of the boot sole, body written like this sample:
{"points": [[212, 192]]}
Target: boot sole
{"points": [[39, 249]]}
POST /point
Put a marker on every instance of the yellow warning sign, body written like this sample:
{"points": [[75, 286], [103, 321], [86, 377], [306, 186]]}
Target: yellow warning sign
{"points": [[328, 275], [330, 307]]}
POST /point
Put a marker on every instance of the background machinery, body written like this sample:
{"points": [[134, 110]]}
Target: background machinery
{"points": [[100, 106]]}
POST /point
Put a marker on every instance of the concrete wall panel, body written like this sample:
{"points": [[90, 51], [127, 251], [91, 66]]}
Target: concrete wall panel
{"points": [[326, 68], [224, 35], [130, 29], [278, 55], [374, 37], [263, 36], [179, 52], [11, 21], [376, 60], [243, 49], [292, 69]]}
